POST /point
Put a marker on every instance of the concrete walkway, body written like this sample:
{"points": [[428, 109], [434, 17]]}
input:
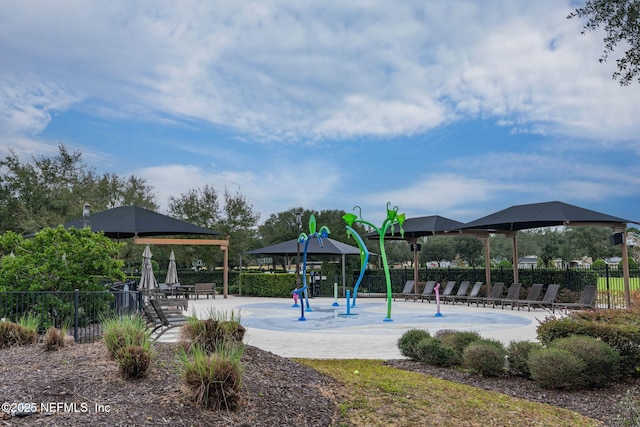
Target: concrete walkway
{"points": [[328, 333]]}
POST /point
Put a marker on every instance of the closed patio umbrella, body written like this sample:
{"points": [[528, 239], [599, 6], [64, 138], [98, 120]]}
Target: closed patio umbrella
{"points": [[148, 281], [172, 272]]}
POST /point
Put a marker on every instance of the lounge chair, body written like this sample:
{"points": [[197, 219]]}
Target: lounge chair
{"points": [[408, 291], [587, 300], [496, 293], [473, 294], [462, 291], [513, 294], [448, 289], [427, 292], [532, 295], [547, 300], [165, 319]]}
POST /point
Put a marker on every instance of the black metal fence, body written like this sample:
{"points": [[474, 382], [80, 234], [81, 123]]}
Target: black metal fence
{"points": [[78, 312], [609, 280]]}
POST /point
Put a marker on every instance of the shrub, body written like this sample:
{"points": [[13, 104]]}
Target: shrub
{"points": [[214, 380], [53, 340], [486, 357], [134, 361], [555, 368], [408, 342], [218, 329], [118, 332], [433, 352], [601, 360], [457, 340], [13, 334], [518, 357], [618, 328]]}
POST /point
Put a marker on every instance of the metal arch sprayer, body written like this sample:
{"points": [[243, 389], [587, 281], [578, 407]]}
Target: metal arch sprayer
{"points": [[392, 218], [304, 238]]}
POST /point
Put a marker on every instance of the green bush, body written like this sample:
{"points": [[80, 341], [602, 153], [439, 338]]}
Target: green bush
{"points": [[268, 285], [484, 356], [555, 368], [618, 328], [457, 340], [408, 342], [214, 381], [518, 357], [601, 360], [433, 352]]}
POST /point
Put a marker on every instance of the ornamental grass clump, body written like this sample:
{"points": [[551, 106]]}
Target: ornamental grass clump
{"points": [[121, 331], [134, 360], [485, 356], [53, 340], [214, 381], [408, 343], [217, 329], [13, 334]]}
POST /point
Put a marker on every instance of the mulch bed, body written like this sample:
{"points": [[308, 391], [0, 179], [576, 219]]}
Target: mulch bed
{"points": [[277, 391]]}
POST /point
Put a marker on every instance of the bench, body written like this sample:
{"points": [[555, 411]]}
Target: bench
{"points": [[204, 289]]}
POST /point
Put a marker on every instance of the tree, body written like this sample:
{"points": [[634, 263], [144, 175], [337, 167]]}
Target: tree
{"points": [[56, 259], [236, 219], [621, 21], [48, 191], [437, 248], [469, 249], [281, 227]]}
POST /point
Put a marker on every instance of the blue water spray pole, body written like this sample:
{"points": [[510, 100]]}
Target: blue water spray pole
{"points": [[348, 305]]}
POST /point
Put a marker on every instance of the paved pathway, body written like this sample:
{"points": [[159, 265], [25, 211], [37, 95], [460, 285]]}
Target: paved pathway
{"points": [[274, 325]]}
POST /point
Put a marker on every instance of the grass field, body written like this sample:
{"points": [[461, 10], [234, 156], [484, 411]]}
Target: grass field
{"points": [[378, 395]]}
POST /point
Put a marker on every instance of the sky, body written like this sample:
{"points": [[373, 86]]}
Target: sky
{"points": [[455, 108]]}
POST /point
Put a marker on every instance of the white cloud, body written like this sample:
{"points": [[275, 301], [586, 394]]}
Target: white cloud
{"points": [[305, 70]]}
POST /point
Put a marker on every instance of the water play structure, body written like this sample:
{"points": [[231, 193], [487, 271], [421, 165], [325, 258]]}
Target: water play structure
{"points": [[393, 217]]}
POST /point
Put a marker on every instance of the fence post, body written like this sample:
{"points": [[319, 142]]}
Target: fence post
{"points": [[76, 304], [606, 272]]}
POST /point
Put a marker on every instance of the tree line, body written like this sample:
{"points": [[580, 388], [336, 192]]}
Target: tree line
{"points": [[46, 191]]}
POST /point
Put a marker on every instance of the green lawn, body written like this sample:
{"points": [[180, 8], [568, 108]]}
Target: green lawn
{"points": [[379, 395]]}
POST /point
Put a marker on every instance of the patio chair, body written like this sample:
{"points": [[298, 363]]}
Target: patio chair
{"points": [[496, 293], [547, 300], [168, 319], [408, 290], [448, 289], [462, 291], [427, 292], [587, 300], [513, 294], [475, 290], [532, 295]]}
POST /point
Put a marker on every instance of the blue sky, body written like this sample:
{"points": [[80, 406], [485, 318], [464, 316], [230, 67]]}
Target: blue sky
{"points": [[454, 108]]}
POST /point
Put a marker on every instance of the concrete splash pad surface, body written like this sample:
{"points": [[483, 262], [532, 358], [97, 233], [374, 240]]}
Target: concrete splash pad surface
{"points": [[273, 325]]}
